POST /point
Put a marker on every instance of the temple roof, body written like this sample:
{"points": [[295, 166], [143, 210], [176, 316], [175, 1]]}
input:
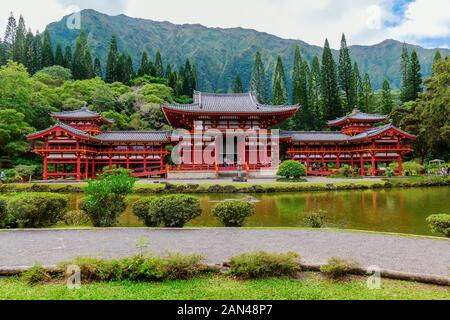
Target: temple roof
{"points": [[63, 126], [380, 130], [81, 114], [358, 116], [228, 103], [134, 136]]}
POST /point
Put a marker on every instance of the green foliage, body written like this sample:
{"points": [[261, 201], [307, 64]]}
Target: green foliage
{"points": [[279, 89], [3, 208], [440, 223], [259, 80], [387, 103], [141, 209], [315, 219], [13, 128], [105, 199], [36, 210], [82, 67], [36, 275], [10, 176], [233, 213], [291, 169], [265, 265], [114, 171], [175, 211], [54, 76], [346, 78], [347, 172], [140, 268], [338, 268], [329, 85], [25, 171], [75, 218], [238, 88]]}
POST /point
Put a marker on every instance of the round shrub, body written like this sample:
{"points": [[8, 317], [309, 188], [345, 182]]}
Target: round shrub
{"points": [[233, 213], [292, 169], [141, 210], [36, 210], [338, 268], [176, 210], [75, 218], [315, 219], [440, 223]]}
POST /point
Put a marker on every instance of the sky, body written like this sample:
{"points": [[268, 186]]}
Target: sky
{"points": [[365, 22]]}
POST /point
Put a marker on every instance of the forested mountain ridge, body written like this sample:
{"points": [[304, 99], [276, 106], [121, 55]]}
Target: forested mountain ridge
{"points": [[219, 54]]}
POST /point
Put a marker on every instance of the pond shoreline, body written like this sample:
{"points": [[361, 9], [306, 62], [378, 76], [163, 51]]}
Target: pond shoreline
{"points": [[165, 188]]}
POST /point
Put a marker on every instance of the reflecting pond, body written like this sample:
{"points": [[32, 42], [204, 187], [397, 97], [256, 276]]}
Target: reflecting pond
{"points": [[389, 210]]}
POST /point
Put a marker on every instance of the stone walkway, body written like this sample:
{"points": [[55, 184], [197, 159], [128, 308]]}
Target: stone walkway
{"points": [[406, 254]]}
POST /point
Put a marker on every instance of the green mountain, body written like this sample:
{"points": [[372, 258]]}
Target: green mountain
{"points": [[221, 53]]}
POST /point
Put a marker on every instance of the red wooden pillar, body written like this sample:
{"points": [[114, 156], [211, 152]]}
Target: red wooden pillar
{"points": [[400, 166], [93, 168], [45, 174], [86, 168], [362, 164], [374, 166], [78, 168], [63, 171]]}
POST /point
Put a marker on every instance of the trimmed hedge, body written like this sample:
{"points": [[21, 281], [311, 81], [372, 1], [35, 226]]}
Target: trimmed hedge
{"points": [[174, 211], [265, 265], [38, 210], [3, 206], [141, 210], [291, 169], [440, 223], [338, 268], [233, 213]]}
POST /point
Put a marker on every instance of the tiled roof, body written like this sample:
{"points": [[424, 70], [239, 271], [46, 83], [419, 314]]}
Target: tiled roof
{"points": [[311, 136], [229, 103], [83, 113], [357, 115], [65, 127], [376, 131], [134, 136]]}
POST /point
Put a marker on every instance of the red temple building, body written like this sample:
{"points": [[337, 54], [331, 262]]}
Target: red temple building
{"points": [[221, 133]]}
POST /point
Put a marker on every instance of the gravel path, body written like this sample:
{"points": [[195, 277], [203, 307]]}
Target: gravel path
{"points": [[406, 254]]}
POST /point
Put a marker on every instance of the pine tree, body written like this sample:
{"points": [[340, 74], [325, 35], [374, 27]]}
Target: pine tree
{"points": [[279, 91], [314, 95], [329, 86], [414, 77], [404, 67], [129, 69], [159, 69], [188, 79], [28, 52], [259, 81], [18, 46], [172, 79], [168, 71], [359, 88], [59, 57], [387, 103], [37, 53], [82, 59], [195, 84], [346, 80], [98, 68], [437, 59], [10, 35], [48, 59], [144, 67], [368, 94], [238, 84], [112, 68], [296, 77], [68, 57], [2, 53]]}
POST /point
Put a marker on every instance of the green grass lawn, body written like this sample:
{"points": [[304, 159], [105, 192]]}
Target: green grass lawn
{"points": [[213, 287]]}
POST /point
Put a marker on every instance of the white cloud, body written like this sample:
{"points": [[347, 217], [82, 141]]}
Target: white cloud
{"points": [[364, 22]]}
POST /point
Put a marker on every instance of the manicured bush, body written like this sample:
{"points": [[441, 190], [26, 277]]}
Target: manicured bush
{"points": [[291, 169], [140, 268], [176, 210], [265, 265], [75, 218], [141, 210], [338, 268], [105, 200], [315, 219], [10, 176], [114, 171], [36, 210], [233, 213], [440, 223], [347, 171], [35, 275], [3, 206]]}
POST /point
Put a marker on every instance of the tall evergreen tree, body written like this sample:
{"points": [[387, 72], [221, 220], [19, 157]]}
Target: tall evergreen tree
{"points": [[37, 53], [414, 77], [159, 69], [188, 79], [82, 59], [48, 59], [387, 103], [2, 53], [68, 57], [112, 67], [10, 35], [296, 77], [59, 57], [129, 68], [98, 68], [329, 86], [18, 46], [359, 88], [145, 66], [195, 84], [167, 71], [259, 81], [314, 95], [172, 79], [368, 94], [29, 52], [404, 67], [279, 91], [238, 84], [437, 59], [346, 80]]}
